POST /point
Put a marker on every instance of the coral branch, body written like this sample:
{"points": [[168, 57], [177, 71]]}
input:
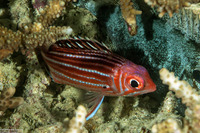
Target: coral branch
{"points": [[11, 41], [37, 34], [189, 97], [167, 126], [169, 6], [129, 15], [76, 124], [7, 102], [51, 12], [182, 89], [20, 11], [45, 37]]}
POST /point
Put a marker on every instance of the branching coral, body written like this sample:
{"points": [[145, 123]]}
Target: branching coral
{"points": [[52, 11], [20, 14], [182, 89], [9, 41], [37, 34], [167, 126], [169, 6], [190, 97], [129, 15], [6, 100], [76, 124]]}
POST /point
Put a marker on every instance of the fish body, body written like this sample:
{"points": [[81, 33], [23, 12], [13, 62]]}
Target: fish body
{"points": [[91, 66]]}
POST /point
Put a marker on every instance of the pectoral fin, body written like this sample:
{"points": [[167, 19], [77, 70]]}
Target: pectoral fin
{"points": [[94, 101]]}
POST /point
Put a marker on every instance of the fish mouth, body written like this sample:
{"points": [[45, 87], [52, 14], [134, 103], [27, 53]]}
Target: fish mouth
{"points": [[138, 93], [151, 87]]}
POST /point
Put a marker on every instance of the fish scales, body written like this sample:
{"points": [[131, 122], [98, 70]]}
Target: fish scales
{"points": [[68, 74], [79, 76], [66, 79], [88, 64], [98, 64], [80, 65], [91, 66]]}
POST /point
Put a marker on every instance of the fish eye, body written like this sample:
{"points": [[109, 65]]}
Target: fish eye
{"points": [[134, 83]]}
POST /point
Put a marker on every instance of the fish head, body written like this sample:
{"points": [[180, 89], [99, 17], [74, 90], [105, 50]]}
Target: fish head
{"points": [[136, 80]]}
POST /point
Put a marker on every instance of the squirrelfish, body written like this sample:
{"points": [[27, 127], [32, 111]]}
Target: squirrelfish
{"points": [[90, 65]]}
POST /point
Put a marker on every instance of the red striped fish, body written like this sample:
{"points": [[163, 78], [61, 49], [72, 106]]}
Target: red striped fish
{"points": [[91, 66]]}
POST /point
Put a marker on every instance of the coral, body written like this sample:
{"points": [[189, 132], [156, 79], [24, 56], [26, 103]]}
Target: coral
{"points": [[41, 111], [167, 110], [129, 15], [84, 24], [37, 82], [11, 41], [116, 112], [52, 11], [127, 115], [169, 104], [167, 126], [190, 98], [37, 4], [169, 6], [9, 74], [77, 123], [187, 21], [32, 114], [182, 89], [7, 101], [20, 14], [38, 33], [54, 128]]}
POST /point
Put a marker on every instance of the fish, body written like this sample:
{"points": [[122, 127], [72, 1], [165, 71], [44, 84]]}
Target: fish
{"points": [[90, 65]]}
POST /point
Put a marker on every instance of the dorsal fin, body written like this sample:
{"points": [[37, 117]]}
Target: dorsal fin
{"points": [[80, 43]]}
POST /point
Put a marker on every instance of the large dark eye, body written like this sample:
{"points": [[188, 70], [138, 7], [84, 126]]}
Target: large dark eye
{"points": [[134, 83]]}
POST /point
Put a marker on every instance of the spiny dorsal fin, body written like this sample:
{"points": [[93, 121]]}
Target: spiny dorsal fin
{"points": [[81, 43]]}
